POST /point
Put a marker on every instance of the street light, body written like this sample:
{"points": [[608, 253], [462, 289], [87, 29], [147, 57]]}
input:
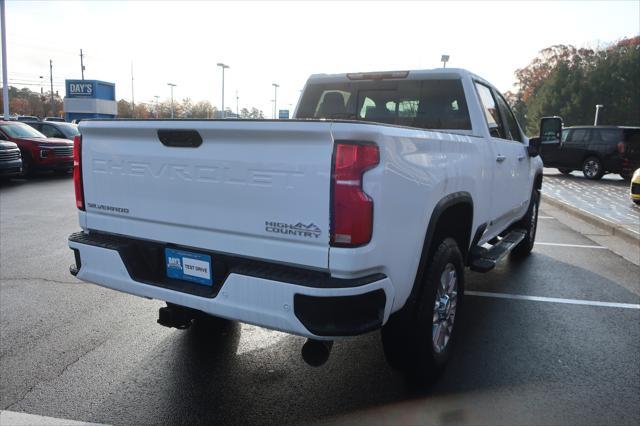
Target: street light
{"points": [[444, 59], [595, 121], [157, 97], [172, 86], [223, 66], [275, 98]]}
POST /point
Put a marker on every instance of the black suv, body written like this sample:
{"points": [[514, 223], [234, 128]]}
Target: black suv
{"points": [[595, 150]]}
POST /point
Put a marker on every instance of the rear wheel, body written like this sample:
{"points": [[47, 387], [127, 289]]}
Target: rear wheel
{"points": [[530, 224], [565, 171], [592, 168], [420, 344]]}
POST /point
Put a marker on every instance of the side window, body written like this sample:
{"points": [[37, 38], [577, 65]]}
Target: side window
{"points": [[511, 125], [578, 135], [565, 135], [610, 135], [491, 113]]}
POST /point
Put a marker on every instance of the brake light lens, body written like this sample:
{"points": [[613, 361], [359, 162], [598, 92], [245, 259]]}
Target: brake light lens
{"points": [[77, 171], [352, 208], [621, 147]]}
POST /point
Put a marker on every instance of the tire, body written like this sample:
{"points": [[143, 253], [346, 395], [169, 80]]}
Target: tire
{"points": [[420, 344], [530, 224], [565, 171], [592, 168], [626, 176]]}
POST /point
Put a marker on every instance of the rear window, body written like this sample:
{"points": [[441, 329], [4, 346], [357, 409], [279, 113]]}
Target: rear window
{"points": [[427, 104]]}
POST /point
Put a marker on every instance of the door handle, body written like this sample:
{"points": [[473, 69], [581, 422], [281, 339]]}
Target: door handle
{"points": [[520, 158], [500, 158]]}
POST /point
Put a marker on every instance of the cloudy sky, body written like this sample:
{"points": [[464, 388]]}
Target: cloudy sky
{"points": [[283, 42]]}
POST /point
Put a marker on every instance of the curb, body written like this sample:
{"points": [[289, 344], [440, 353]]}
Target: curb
{"points": [[614, 229]]}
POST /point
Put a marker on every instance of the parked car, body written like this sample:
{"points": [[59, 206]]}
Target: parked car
{"points": [[57, 119], [595, 150], [360, 213], [27, 118], [10, 159], [54, 129], [38, 151], [634, 188]]}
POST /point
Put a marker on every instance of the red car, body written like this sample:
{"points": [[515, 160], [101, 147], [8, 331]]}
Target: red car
{"points": [[38, 151]]}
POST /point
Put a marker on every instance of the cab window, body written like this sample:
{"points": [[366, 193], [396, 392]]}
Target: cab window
{"points": [[491, 113]]}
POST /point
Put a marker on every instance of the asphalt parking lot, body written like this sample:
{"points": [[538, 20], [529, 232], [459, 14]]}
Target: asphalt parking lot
{"points": [[554, 339], [607, 198]]}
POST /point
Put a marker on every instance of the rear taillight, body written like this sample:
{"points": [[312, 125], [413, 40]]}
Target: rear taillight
{"points": [[77, 171], [352, 209], [621, 147]]}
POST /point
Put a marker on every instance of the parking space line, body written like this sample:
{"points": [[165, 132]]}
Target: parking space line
{"points": [[545, 217], [552, 299], [570, 245], [16, 418]]}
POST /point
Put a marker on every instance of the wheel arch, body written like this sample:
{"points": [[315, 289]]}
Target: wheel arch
{"points": [[449, 213]]}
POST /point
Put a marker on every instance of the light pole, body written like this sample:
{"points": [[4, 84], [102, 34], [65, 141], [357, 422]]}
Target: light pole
{"points": [[223, 66], [172, 86], [444, 59], [53, 113], [237, 103], [275, 98], [156, 96], [595, 121], [5, 82]]}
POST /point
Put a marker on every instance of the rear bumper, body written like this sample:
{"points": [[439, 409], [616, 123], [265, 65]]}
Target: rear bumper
{"points": [[308, 305]]}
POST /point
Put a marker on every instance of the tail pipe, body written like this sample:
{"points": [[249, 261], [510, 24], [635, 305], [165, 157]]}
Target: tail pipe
{"points": [[316, 352]]}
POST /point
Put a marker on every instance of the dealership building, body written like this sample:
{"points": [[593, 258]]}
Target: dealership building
{"points": [[89, 99]]}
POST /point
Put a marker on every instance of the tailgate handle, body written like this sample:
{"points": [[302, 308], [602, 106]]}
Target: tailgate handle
{"points": [[180, 138]]}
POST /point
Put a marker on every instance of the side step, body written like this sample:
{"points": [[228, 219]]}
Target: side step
{"points": [[485, 259]]}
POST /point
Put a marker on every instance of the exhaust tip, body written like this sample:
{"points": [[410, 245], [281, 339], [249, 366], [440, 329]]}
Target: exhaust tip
{"points": [[316, 352]]}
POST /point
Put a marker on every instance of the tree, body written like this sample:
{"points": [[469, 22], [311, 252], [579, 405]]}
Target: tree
{"points": [[569, 82]]}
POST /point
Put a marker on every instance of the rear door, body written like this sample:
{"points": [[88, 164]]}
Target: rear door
{"points": [[506, 197], [573, 150], [251, 188]]}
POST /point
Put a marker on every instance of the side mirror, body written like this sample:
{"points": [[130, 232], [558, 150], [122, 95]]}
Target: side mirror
{"points": [[551, 129], [534, 146]]}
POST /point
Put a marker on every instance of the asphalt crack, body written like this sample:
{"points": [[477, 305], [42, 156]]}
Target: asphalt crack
{"points": [[47, 280], [64, 369]]}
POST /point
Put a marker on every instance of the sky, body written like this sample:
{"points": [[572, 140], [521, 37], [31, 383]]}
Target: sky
{"points": [[284, 42]]}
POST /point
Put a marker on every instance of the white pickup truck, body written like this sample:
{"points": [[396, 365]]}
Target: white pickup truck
{"points": [[359, 214]]}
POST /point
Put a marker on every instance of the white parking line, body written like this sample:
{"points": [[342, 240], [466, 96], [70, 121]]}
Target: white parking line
{"points": [[20, 419], [552, 299], [570, 245], [545, 217]]}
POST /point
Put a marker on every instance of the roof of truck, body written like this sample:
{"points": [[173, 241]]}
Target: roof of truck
{"points": [[396, 75]]}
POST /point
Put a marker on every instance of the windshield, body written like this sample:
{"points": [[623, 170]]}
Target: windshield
{"points": [[428, 104], [69, 130], [19, 130]]}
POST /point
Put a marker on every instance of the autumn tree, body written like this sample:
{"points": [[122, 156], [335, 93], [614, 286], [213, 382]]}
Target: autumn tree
{"points": [[569, 82]]}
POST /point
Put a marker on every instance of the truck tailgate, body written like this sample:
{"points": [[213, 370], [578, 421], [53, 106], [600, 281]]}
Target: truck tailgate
{"points": [[252, 188]]}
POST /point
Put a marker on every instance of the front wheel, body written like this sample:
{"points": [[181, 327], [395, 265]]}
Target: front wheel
{"points": [[421, 344], [592, 168], [530, 224]]}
